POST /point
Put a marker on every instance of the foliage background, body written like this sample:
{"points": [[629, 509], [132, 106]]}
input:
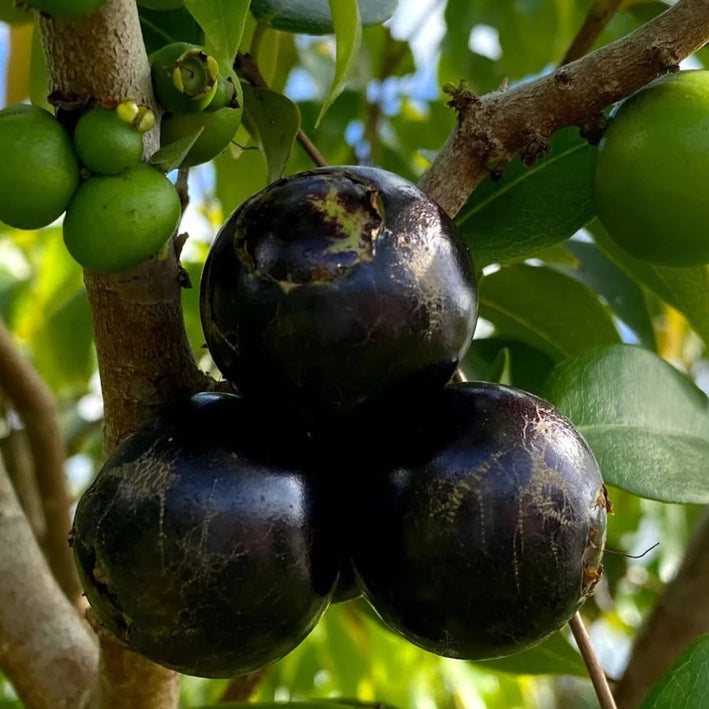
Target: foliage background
{"points": [[545, 302]]}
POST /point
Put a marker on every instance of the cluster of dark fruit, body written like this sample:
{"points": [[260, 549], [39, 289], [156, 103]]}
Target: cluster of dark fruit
{"points": [[339, 302]]}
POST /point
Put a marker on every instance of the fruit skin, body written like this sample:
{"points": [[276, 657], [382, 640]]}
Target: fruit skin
{"points": [[486, 535], [219, 128], [203, 546], [105, 143], [652, 163], [336, 286], [67, 8], [40, 172], [184, 77], [115, 222]]}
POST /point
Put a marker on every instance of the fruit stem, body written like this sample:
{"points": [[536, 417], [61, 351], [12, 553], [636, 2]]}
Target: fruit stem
{"points": [[595, 671]]}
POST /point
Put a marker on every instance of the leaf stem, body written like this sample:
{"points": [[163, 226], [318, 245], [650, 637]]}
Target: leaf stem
{"points": [[595, 671]]}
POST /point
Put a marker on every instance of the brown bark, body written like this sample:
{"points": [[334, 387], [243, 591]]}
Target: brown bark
{"points": [[45, 650], [492, 129], [679, 616], [34, 403]]}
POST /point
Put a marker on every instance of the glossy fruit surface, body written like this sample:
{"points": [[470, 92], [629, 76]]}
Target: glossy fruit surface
{"points": [[337, 286], [486, 532], [184, 77], [218, 130], [652, 165], [202, 545], [66, 8], [39, 172], [107, 144], [115, 222]]}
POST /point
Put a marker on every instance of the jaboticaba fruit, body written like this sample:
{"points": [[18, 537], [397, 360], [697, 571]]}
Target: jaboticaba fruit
{"points": [[335, 286], [653, 165], [184, 77], [486, 532], [202, 544], [39, 171], [116, 221]]}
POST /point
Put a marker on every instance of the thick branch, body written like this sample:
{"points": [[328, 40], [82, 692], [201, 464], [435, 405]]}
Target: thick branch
{"points": [[494, 128], [34, 403], [45, 650], [679, 616]]}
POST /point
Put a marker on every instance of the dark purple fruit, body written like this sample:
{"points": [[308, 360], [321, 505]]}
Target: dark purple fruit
{"points": [[203, 543], [488, 536], [336, 286]]}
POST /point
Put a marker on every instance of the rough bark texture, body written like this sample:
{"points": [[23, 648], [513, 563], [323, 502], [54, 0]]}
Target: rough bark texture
{"points": [[493, 129], [45, 650], [34, 403], [679, 616]]}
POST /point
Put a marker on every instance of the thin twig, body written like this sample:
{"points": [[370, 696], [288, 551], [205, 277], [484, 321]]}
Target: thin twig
{"points": [[595, 671], [34, 403], [245, 66], [598, 17]]}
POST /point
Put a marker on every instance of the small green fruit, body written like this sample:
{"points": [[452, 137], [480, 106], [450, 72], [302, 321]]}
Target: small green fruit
{"points": [[107, 144], [40, 172], [66, 8], [652, 165], [117, 221], [229, 93], [184, 77], [219, 129]]}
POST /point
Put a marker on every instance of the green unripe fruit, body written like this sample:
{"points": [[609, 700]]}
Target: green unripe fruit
{"points": [[117, 221], [184, 77], [40, 172], [66, 8], [161, 4], [219, 129], [652, 164], [106, 143]]}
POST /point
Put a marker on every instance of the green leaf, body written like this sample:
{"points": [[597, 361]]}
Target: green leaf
{"points": [[647, 424], [546, 309], [313, 704], [314, 16], [686, 683], [348, 32], [273, 121], [683, 288], [223, 23], [161, 27], [170, 156], [531, 208], [621, 293], [553, 656]]}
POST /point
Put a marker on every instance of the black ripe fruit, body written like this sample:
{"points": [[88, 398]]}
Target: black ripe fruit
{"points": [[201, 545], [335, 286], [489, 535]]}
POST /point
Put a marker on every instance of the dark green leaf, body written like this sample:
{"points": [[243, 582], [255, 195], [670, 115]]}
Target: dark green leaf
{"points": [[546, 309], [348, 33], [686, 683], [531, 208], [554, 656], [313, 16], [620, 292], [165, 27], [647, 424], [273, 121], [223, 24], [170, 157], [684, 288]]}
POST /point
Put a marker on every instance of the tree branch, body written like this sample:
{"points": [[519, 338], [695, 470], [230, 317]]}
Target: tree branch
{"points": [[45, 650], [34, 403], [493, 129], [679, 616], [598, 17]]}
